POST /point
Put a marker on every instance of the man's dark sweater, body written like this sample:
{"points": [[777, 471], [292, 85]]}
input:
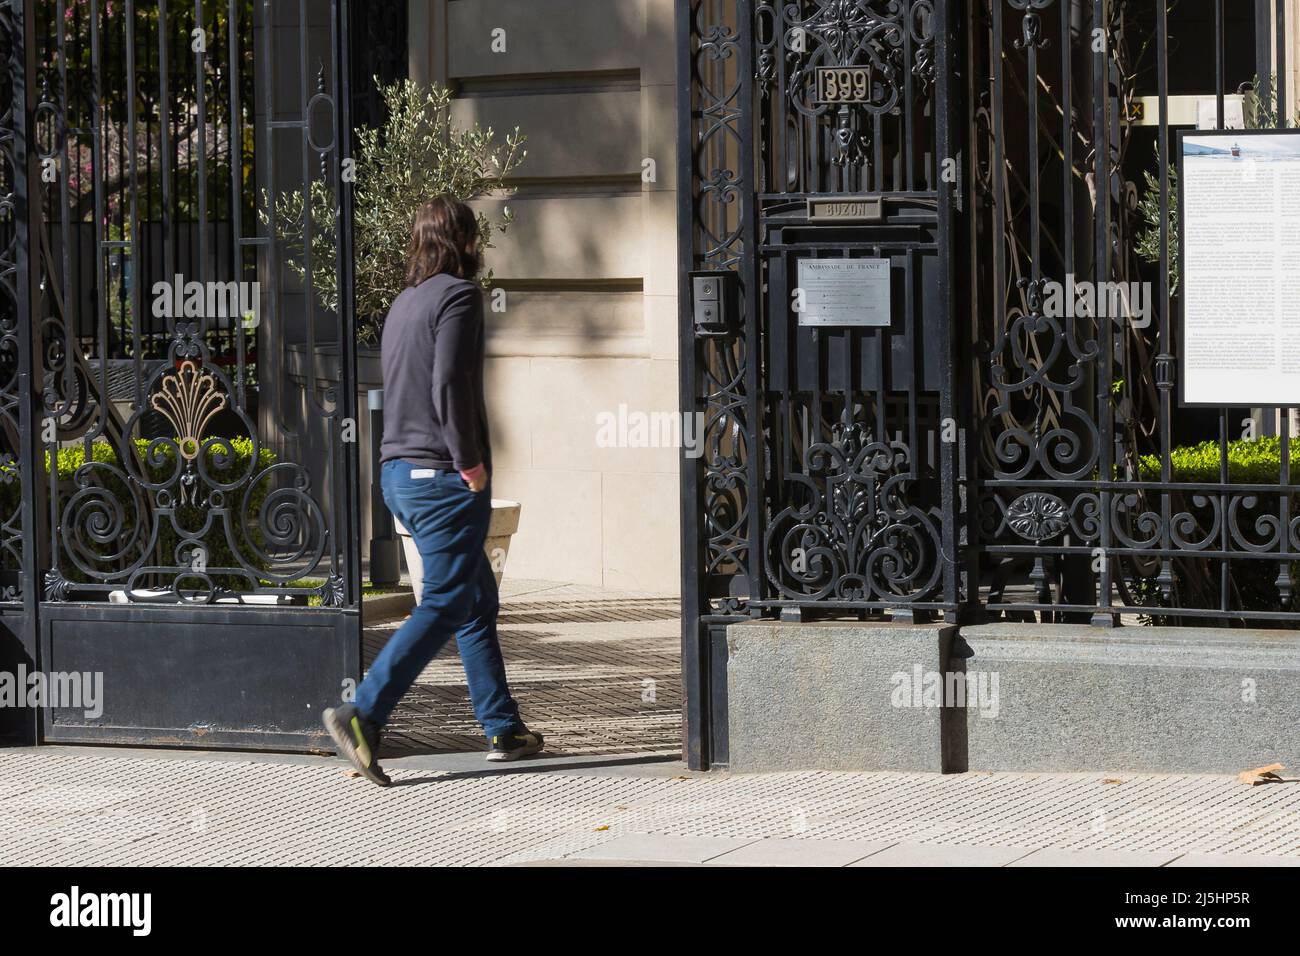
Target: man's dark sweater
{"points": [[432, 355]]}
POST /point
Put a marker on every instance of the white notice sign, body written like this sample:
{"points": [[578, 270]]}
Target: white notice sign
{"points": [[1234, 113], [1241, 263], [843, 292]]}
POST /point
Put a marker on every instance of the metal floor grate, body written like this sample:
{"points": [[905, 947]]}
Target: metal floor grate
{"points": [[596, 674]]}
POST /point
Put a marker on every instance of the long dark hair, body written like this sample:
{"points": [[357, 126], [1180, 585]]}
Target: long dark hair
{"points": [[444, 231]]}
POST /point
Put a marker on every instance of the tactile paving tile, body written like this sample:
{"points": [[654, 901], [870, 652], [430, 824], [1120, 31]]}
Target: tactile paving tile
{"points": [[174, 810], [190, 811]]}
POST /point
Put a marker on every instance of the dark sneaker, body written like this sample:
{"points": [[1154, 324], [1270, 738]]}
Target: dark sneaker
{"points": [[514, 746], [357, 739]]}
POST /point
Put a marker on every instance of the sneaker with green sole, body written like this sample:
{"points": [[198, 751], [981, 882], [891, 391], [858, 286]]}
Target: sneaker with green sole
{"points": [[357, 739]]}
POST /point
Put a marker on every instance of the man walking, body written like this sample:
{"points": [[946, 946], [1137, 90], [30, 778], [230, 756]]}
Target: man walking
{"points": [[436, 479]]}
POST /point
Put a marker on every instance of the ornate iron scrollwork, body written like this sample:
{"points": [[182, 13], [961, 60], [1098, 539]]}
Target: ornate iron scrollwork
{"points": [[1038, 516], [148, 516], [719, 243], [853, 534], [188, 398], [855, 33], [13, 553], [159, 484], [331, 592], [922, 28], [1031, 24]]}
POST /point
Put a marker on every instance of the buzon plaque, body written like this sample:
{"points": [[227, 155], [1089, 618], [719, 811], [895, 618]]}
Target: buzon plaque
{"points": [[845, 209], [835, 292]]}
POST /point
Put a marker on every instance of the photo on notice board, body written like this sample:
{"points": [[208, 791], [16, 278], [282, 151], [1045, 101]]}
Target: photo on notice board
{"points": [[1240, 233]]}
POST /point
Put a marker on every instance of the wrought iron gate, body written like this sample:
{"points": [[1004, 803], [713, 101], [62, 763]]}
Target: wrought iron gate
{"points": [[972, 457], [1085, 508], [180, 508], [828, 482]]}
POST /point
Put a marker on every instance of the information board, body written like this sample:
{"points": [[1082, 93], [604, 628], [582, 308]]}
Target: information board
{"points": [[1240, 233]]}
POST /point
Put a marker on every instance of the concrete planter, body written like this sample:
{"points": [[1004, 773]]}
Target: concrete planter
{"points": [[504, 523], [324, 366]]}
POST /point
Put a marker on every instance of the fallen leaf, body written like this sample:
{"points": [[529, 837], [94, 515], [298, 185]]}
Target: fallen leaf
{"points": [[1112, 780], [605, 827], [1261, 775]]}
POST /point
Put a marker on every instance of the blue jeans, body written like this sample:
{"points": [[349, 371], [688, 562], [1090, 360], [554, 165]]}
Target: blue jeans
{"points": [[449, 523]]}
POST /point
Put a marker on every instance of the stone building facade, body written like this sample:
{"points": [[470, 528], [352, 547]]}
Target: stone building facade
{"points": [[589, 271]]}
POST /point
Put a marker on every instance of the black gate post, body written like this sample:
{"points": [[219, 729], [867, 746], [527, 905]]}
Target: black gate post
{"points": [[719, 361], [950, 129], [694, 662], [1103, 617], [351, 523], [385, 551], [27, 223]]}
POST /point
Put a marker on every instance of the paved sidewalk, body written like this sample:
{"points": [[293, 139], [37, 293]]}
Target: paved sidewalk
{"points": [[82, 806], [597, 672]]}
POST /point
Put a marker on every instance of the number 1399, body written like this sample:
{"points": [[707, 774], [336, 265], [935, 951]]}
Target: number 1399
{"points": [[843, 84]]}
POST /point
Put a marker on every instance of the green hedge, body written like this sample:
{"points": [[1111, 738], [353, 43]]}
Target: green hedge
{"points": [[189, 517], [1251, 461]]}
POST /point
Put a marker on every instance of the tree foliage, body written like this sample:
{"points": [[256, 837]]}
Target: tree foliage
{"points": [[416, 154]]}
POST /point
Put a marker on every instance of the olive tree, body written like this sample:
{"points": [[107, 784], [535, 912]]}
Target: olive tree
{"points": [[417, 153]]}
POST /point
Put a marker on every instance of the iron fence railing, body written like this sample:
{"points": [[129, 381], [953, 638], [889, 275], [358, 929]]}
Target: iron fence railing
{"points": [[1087, 502], [161, 135], [978, 458]]}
